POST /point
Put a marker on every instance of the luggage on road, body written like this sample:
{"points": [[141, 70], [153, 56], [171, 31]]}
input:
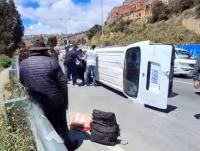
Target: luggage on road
{"points": [[80, 122], [104, 128]]}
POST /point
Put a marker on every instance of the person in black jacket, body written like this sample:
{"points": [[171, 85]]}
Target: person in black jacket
{"points": [[45, 82], [196, 74], [70, 63]]}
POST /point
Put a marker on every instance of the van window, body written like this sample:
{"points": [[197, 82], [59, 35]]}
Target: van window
{"points": [[132, 71]]}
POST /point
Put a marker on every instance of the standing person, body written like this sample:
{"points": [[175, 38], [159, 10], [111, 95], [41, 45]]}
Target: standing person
{"points": [[61, 57], [171, 74], [23, 54], [70, 61], [91, 61], [81, 67], [45, 82], [52, 43], [66, 63], [196, 74]]}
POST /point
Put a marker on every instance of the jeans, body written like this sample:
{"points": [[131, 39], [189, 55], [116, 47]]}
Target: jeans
{"points": [[91, 71]]}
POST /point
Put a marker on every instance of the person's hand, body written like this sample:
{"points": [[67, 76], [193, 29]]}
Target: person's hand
{"points": [[196, 84]]}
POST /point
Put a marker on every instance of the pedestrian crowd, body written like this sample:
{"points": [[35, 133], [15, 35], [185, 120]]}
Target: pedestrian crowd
{"points": [[80, 65], [76, 64]]}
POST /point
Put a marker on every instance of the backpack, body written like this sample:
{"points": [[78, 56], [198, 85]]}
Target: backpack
{"points": [[104, 128]]}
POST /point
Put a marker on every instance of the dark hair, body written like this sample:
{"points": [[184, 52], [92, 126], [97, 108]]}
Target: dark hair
{"points": [[75, 46], [23, 54], [93, 46], [80, 50], [52, 41]]}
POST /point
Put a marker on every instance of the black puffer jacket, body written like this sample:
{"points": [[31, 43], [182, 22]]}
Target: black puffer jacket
{"points": [[42, 74], [196, 72]]}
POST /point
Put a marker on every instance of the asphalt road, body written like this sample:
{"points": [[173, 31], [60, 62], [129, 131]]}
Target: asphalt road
{"points": [[145, 129]]}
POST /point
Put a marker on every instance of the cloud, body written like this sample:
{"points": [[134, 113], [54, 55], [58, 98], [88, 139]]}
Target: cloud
{"points": [[63, 16]]}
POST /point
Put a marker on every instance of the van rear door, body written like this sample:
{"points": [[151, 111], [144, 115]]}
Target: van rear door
{"points": [[154, 75]]}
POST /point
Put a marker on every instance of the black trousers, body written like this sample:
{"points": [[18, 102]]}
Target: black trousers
{"points": [[54, 108], [81, 72], [72, 71]]}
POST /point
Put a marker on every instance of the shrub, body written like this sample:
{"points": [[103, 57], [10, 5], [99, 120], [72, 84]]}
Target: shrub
{"points": [[93, 31], [185, 4], [150, 20], [15, 89], [159, 11], [198, 11], [15, 133], [5, 61], [178, 6], [174, 7], [196, 2], [121, 26]]}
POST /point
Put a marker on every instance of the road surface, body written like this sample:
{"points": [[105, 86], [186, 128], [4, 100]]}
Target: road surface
{"points": [[146, 129]]}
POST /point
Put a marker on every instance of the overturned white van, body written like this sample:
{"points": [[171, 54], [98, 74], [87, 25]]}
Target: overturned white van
{"points": [[141, 71]]}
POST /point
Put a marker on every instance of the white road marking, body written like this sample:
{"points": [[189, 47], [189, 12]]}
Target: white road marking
{"points": [[115, 148], [183, 82]]}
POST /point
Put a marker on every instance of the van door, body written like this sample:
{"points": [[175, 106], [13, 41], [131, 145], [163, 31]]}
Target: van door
{"points": [[155, 74]]}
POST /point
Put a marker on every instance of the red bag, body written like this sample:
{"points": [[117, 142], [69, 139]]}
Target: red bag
{"points": [[80, 122]]}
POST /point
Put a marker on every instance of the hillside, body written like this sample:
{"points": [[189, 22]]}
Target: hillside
{"points": [[178, 29]]}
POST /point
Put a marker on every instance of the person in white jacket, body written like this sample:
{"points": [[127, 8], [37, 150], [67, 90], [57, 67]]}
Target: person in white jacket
{"points": [[91, 61]]}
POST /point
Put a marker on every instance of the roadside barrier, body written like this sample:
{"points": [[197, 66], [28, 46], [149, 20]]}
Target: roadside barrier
{"points": [[45, 136]]}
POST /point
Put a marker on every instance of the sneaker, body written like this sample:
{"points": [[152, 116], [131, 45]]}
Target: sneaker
{"points": [[93, 84], [82, 83]]}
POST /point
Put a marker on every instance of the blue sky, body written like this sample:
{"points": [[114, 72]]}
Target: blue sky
{"points": [[36, 5], [62, 16], [31, 4], [82, 2]]}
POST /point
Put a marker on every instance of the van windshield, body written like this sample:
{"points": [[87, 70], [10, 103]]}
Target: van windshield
{"points": [[183, 54], [132, 71]]}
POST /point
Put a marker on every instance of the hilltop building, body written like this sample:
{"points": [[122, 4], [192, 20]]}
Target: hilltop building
{"points": [[130, 10]]}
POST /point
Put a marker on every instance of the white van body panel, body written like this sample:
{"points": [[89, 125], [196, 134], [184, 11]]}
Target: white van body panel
{"points": [[111, 66]]}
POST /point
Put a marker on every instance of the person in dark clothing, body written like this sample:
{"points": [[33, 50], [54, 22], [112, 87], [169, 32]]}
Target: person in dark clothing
{"points": [[70, 61], [23, 54], [171, 74], [196, 74], [81, 66], [45, 82], [66, 62], [52, 43]]}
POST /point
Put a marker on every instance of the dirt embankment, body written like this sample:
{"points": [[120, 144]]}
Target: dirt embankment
{"points": [[192, 25], [4, 79]]}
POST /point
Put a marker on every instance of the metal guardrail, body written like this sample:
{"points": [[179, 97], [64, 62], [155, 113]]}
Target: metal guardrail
{"points": [[44, 134], [14, 71]]}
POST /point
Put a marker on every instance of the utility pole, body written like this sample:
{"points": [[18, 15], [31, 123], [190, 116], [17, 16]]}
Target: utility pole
{"points": [[66, 23], [102, 24], [66, 28]]}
